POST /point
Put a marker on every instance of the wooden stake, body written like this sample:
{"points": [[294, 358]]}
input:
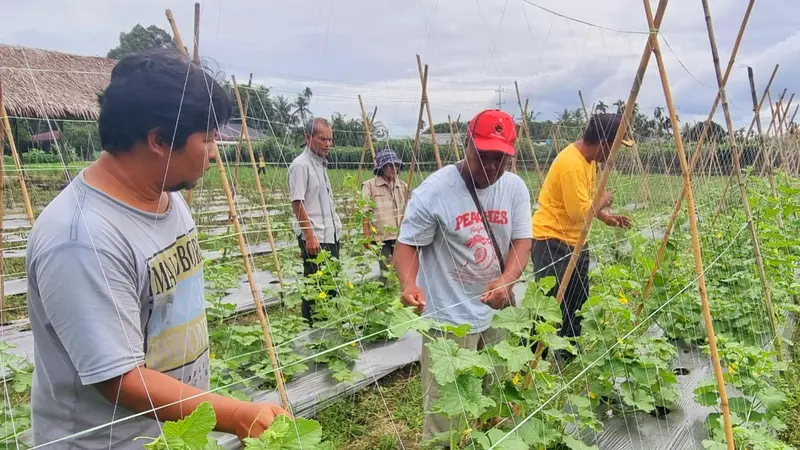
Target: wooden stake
{"points": [[176, 34], [526, 131], [706, 127], [601, 185], [367, 127], [262, 200], [698, 258], [15, 157], [424, 81], [196, 59], [262, 317], [3, 320], [453, 142], [415, 150], [251, 279], [767, 157], [237, 157], [742, 186]]}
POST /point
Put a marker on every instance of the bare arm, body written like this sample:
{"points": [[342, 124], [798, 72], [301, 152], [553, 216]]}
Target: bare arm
{"points": [[406, 263], [143, 389], [136, 390], [517, 259]]}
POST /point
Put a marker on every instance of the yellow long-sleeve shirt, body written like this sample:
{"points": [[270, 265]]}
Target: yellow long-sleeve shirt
{"points": [[565, 197]]}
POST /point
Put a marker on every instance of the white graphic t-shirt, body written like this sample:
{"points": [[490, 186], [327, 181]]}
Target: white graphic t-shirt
{"points": [[457, 258]]}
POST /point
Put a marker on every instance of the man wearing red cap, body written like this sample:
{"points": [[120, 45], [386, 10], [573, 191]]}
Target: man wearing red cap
{"points": [[450, 266]]}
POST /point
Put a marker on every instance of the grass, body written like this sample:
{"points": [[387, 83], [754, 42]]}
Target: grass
{"points": [[791, 387], [361, 422]]}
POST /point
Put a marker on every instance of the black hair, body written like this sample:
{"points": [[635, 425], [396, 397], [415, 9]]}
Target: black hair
{"points": [[161, 90], [602, 128]]}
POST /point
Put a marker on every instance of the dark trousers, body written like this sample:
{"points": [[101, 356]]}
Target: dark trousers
{"points": [[550, 258], [310, 268], [386, 251]]}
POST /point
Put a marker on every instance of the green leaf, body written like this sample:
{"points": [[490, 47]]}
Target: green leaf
{"points": [[459, 331], [515, 320], [537, 434], [580, 402], [465, 395], [448, 360], [740, 405], [707, 398], [771, 398], [213, 445], [544, 306], [713, 445], [511, 441], [575, 444], [516, 357], [404, 320], [189, 433], [287, 434], [638, 398]]}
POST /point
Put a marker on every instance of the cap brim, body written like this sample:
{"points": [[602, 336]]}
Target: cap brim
{"points": [[493, 145]]}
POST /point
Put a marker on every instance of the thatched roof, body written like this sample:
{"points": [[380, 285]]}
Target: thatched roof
{"points": [[46, 84]]}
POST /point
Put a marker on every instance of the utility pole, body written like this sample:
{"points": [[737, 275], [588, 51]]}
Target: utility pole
{"points": [[500, 101]]}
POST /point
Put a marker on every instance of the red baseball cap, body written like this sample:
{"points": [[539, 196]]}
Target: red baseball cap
{"points": [[493, 130]]}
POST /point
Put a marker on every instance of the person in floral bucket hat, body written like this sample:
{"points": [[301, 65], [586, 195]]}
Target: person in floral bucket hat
{"points": [[387, 198]]}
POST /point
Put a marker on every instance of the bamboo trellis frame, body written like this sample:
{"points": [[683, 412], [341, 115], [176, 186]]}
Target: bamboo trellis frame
{"points": [[251, 279], [691, 207], [742, 186]]}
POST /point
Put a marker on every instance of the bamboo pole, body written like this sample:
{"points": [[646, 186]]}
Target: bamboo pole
{"points": [[240, 142], [453, 142], [262, 200], [767, 157], [424, 81], [415, 150], [176, 34], [782, 118], [17, 164], [696, 247], [706, 127], [601, 185], [526, 131], [237, 161], [196, 59], [742, 186], [3, 320], [262, 318], [367, 127]]}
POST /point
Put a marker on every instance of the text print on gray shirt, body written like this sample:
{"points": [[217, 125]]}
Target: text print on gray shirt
{"points": [[110, 288]]}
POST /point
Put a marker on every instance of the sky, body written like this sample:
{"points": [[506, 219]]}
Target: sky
{"points": [[474, 48]]}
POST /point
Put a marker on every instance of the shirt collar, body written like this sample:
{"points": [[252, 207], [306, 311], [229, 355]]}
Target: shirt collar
{"points": [[315, 157]]}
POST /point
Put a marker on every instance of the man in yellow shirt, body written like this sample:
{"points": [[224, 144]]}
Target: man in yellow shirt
{"points": [[565, 200]]}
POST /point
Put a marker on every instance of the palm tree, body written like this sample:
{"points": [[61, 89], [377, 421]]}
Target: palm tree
{"points": [[283, 109], [620, 104], [302, 112], [601, 107]]}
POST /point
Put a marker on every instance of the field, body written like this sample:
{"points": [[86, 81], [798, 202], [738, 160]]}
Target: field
{"points": [[641, 363]]}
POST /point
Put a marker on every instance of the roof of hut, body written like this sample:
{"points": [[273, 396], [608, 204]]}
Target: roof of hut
{"points": [[47, 84]]}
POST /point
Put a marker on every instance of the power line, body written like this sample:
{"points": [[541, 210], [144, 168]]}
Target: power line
{"points": [[500, 100]]}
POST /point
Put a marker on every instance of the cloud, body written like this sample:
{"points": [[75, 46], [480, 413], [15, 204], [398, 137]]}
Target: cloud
{"points": [[473, 48]]}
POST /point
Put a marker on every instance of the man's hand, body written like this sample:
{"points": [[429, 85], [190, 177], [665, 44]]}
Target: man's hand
{"points": [[312, 244], [251, 419], [613, 220], [498, 293], [606, 200], [412, 296]]}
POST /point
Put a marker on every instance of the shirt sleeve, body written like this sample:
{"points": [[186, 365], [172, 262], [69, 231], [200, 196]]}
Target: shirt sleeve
{"points": [[521, 227], [576, 193], [91, 300], [366, 193], [298, 182], [419, 224]]}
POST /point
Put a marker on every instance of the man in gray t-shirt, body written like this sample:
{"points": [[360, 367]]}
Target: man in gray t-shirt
{"points": [[445, 259], [115, 274]]}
